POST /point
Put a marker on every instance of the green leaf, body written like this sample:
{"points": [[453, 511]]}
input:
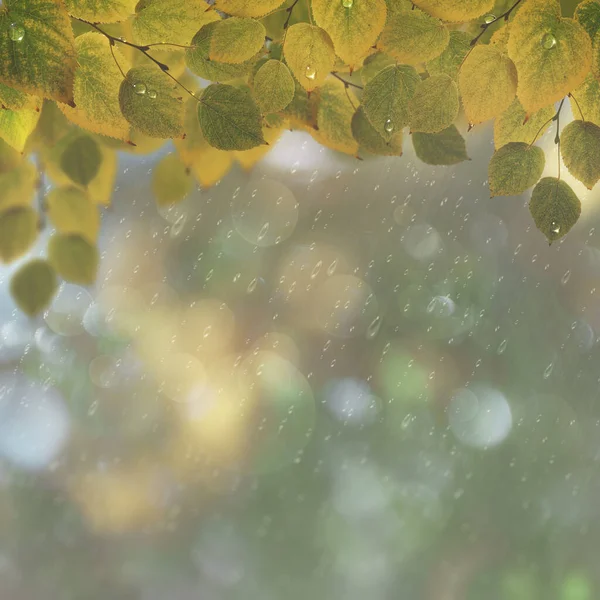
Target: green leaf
{"points": [[515, 168], [172, 21], [435, 104], [413, 37], [18, 232], [302, 110], [588, 99], [71, 211], [17, 186], [248, 8], [236, 40], [554, 207], [450, 60], [171, 181], [16, 126], [81, 160], [353, 29], [152, 103], [334, 117], [37, 55], [386, 96], [101, 11], [230, 119], [580, 151], [587, 14], [374, 64], [274, 86], [514, 126], [33, 286], [17, 100], [309, 53], [370, 140], [96, 87], [552, 54], [73, 258], [488, 83], [455, 11], [444, 148], [198, 60]]}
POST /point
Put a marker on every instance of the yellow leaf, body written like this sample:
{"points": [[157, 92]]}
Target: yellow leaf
{"points": [[36, 48], [101, 11], [514, 126], [334, 117], [171, 181], [236, 40], [353, 29], [17, 186], [553, 55], [274, 86], [588, 97], [302, 110], [450, 60], [73, 258], [81, 160], [309, 53], [17, 100], [72, 211], [413, 37], [211, 166], [248, 8], [33, 286], [488, 82], [434, 105], [17, 125], [96, 88], [172, 21], [18, 232], [9, 158], [455, 11], [249, 158], [52, 126], [373, 65]]}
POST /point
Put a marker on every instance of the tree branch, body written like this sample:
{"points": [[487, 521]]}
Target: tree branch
{"points": [[505, 16]]}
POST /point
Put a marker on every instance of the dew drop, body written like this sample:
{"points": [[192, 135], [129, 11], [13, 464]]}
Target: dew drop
{"points": [[489, 19], [347, 3], [16, 32], [555, 227], [311, 73], [140, 88], [389, 126], [548, 41], [152, 94]]}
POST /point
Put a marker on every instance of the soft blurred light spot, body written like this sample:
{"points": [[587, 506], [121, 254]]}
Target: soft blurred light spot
{"points": [[66, 313], [351, 401], [422, 241]]}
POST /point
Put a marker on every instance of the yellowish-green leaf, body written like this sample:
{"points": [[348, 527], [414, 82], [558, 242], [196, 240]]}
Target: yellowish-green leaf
{"points": [[37, 55], [515, 168], [101, 11], [580, 151], [309, 53], [413, 37], [249, 158], [17, 186], [52, 126], [274, 86], [16, 126], [81, 160], [302, 110], [73, 258], [435, 104], [334, 117], [172, 21], [500, 38], [17, 100], [96, 87], [455, 11], [152, 103], [370, 140], [514, 126], [18, 232], [374, 64], [488, 82], [555, 208], [236, 40], [198, 60], [229, 118], [444, 148], [386, 97], [587, 14], [450, 60], [353, 29], [552, 54], [72, 211], [248, 8], [33, 286], [171, 181], [9, 159], [212, 165], [588, 98]]}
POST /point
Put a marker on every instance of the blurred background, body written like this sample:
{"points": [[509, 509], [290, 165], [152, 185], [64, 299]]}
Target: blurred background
{"points": [[325, 378]]}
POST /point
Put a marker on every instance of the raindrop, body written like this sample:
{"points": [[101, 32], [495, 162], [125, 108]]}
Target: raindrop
{"points": [[177, 227], [489, 19], [565, 278], [548, 41], [152, 94], [332, 267], [347, 3], [311, 73], [502, 346], [140, 88], [389, 126], [16, 32], [374, 328], [548, 370], [263, 232], [252, 285], [316, 269]]}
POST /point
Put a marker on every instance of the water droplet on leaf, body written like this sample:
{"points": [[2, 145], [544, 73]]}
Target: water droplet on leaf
{"points": [[140, 88], [555, 227], [16, 32], [389, 126], [489, 19], [311, 73], [347, 3], [152, 94], [548, 41]]}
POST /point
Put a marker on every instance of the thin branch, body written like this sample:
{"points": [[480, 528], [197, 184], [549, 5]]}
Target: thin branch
{"points": [[505, 16], [557, 136], [578, 107], [554, 118], [170, 44], [347, 84], [289, 11], [112, 51]]}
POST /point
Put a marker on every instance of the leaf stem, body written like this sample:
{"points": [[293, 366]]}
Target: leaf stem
{"points": [[578, 107], [557, 136], [505, 16], [554, 118], [347, 84]]}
